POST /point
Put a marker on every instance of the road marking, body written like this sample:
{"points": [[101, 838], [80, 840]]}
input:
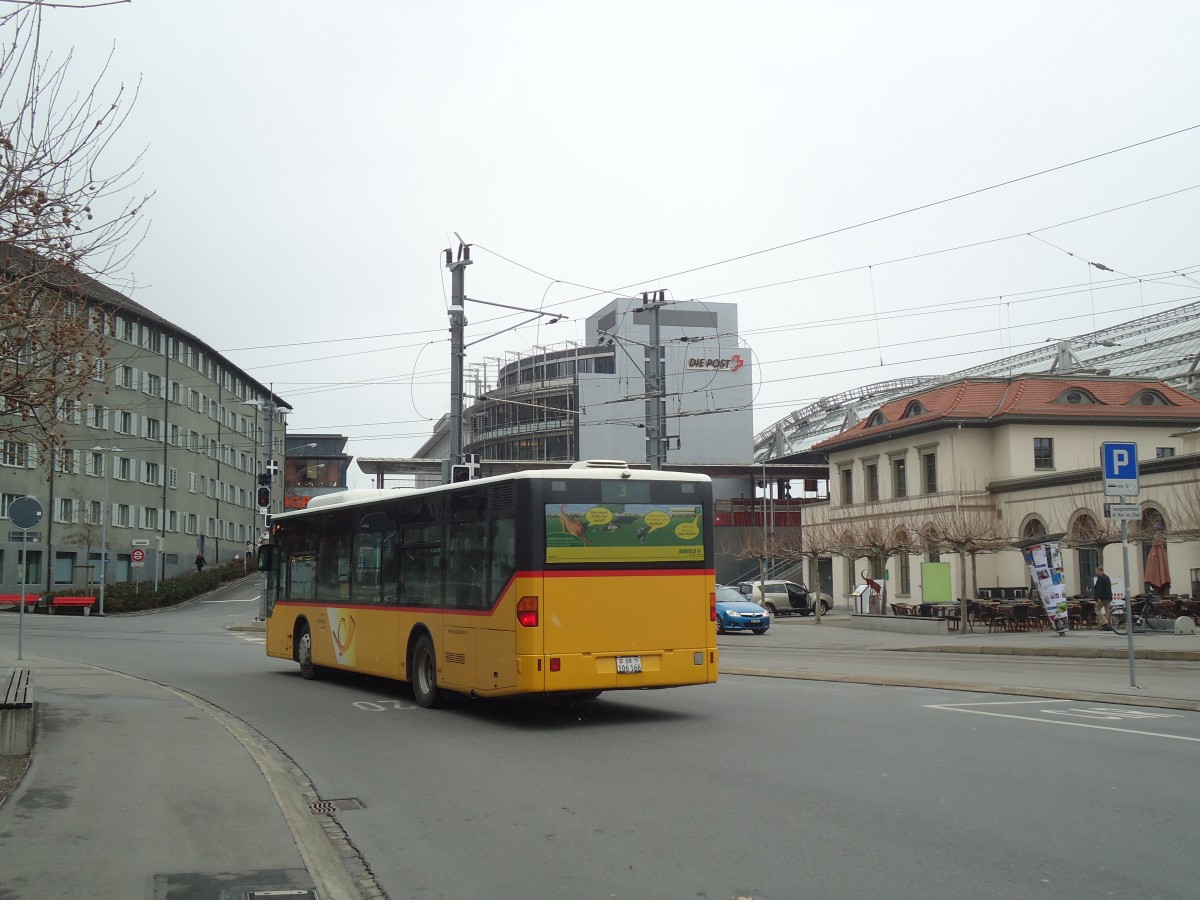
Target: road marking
{"points": [[381, 705], [251, 599], [1110, 715], [963, 708], [254, 640]]}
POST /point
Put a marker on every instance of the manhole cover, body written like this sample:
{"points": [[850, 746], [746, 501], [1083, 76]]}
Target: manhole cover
{"points": [[328, 806]]}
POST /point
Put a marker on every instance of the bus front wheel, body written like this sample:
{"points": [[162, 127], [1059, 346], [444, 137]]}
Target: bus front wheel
{"points": [[423, 673], [304, 653]]}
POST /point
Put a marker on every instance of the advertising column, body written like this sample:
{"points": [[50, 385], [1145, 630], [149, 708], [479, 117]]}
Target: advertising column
{"points": [[1044, 562]]}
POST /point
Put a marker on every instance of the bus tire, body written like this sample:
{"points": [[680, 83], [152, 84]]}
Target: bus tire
{"points": [[304, 653], [423, 674]]}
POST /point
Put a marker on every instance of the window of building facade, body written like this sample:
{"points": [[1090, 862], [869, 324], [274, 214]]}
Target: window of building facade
{"points": [[929, 472], [33, 566], [1043, 453], [847, 482], [871, 477], [15, 453], [899, 478], [1164, 452], [905, 573], [64, 567], [66, 510]]}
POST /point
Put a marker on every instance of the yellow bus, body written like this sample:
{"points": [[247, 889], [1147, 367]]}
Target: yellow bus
{"points": [[567, 582]]}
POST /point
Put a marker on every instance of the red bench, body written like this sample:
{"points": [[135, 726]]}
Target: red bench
{"points": [[31, 600], [86, 603]]}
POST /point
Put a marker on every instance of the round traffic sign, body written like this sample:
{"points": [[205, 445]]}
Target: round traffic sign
{"points": [[138, 554], [25, 512]]}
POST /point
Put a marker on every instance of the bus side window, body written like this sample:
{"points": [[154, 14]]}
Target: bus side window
{"points": [[503, 556]]}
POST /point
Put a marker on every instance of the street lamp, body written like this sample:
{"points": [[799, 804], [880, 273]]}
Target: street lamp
{"points": [[104, 521]]}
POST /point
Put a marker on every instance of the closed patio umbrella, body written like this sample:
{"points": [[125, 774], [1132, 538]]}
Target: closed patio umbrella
{"points": [[1158, 573]]}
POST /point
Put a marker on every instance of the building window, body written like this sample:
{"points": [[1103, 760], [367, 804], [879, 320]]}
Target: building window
{"points": [[847, 476], [66, 510], [15, 454], [121, 515], [871, 473], [905, 575], [929, 472], [125, 423], [1164, 452], [899, 478], [64, 568], [1043, 453]]}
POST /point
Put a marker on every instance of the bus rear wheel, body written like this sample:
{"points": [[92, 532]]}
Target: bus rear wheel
{"points": [[422, 669], [304, 653]]}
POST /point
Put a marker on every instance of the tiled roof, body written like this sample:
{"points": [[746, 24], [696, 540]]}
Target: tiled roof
{"points": [[981, 401]]}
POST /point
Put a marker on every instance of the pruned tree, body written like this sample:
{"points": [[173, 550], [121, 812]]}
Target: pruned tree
{"points": [[812, 541], [66, 219], [966, 530]]}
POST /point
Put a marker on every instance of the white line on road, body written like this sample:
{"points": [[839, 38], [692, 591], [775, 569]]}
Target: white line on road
{"points": [[250, 599], [962, 707]]}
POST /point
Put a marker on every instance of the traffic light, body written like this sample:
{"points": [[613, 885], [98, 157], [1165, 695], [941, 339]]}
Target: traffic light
{"points": [[264, 497]]}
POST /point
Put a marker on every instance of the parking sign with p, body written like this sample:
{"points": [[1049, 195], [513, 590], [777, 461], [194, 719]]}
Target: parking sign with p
{"points": [[1120, 464]]}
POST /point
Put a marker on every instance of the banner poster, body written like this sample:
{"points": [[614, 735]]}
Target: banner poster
{"points": [[623, 532], [1044, 562]]}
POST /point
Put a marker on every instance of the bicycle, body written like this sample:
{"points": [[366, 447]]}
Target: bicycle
{"points": [[1144, 617]]}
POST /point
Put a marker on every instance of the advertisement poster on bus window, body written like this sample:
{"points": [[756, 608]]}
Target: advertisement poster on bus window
{"points": [[623, 532], [1044, 562]]}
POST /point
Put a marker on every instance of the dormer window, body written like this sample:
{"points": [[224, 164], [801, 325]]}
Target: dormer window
{"points": [[916, 408], [875, 419], [1077, 397], [1149, 398]]}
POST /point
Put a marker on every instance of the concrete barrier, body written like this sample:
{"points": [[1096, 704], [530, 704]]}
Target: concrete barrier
{"points": [[901, 624]]}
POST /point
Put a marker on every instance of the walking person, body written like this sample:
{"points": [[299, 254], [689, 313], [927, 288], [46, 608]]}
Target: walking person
{"points": [[201, 562], [1102, 594]]}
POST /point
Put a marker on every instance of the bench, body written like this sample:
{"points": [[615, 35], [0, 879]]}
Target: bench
{"points": [[86, 603], [31, 600], [16, 714]]}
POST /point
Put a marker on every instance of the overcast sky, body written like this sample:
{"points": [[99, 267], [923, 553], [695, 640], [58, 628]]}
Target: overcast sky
{"points": [[312, 160]]}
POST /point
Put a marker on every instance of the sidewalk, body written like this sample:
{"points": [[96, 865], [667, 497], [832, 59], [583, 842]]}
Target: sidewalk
{"points": [[1081, 665], [138, 790]]}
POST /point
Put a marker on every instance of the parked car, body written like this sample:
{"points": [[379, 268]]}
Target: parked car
{"points": [[735, 612], [784, 598]]}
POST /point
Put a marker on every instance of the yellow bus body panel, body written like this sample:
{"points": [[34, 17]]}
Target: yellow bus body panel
{"points": [[586, 620]]}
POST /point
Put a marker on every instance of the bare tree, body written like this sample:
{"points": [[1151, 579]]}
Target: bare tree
{"points": [[66, 219], [967, 530], [812, 541]]}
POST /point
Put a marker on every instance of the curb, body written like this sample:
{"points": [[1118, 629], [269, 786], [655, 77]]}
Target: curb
{"points": [[1067, 651]]}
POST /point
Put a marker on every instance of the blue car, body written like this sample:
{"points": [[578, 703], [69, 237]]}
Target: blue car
{"points": [[736, 612]]}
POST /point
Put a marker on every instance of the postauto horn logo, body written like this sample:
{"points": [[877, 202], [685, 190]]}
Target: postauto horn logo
{"points": [[732, 364]]}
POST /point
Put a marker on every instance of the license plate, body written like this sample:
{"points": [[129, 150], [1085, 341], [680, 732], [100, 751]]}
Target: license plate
{"points": [[756, 621], [629, 664]]}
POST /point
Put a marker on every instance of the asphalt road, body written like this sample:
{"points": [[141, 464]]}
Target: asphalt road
{"points": [[764, 788]]}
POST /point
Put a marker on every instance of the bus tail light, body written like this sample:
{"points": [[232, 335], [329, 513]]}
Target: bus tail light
{"points": [[527, 611], [712, 606]]}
